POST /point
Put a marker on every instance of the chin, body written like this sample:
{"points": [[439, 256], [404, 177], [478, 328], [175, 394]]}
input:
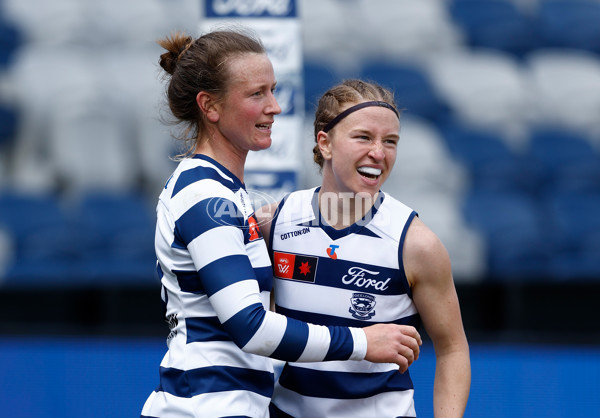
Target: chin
{"points": [[262, 145]]}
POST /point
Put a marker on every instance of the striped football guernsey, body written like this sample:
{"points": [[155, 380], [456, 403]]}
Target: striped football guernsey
{"points": [[351, 277], [216, 280]]}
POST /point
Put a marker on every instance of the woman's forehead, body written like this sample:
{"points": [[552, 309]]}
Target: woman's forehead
{"points": [[372, 117]]}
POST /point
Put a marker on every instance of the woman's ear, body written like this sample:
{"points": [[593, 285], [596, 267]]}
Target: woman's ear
{"points": [[324, 144], [206, 103]]}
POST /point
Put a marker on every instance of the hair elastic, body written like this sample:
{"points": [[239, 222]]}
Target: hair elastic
{"points": [[184, 50], [354, 108]]}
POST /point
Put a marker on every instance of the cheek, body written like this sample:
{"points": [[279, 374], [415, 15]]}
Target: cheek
{"points": [[248, 114], [391, 158], [251, 111]]}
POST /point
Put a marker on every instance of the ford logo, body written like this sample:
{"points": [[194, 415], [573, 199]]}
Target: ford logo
{"points": [[250, 8]]}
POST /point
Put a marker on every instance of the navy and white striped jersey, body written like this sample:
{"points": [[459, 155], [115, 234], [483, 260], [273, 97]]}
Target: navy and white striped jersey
{"points": [[350, 277], [216, 281]]}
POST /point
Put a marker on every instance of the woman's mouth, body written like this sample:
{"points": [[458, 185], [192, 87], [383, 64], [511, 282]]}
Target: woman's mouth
{"points": [[264, 126], [369, 172]]}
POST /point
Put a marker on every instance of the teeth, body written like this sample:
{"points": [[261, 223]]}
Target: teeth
{"points": [[261, 126], [369, 170]]}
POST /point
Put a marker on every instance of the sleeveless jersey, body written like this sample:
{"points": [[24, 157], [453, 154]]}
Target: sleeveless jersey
{"points": [[216, 280], [351, 277]]}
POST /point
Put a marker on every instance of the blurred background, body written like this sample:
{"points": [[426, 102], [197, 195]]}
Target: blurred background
{"points": [[499, 154]]}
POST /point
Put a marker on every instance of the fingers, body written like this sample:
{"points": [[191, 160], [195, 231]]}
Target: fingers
{"points": [[406, 357], [402, 363], [408, 347], [414, 344], [389, 343]]}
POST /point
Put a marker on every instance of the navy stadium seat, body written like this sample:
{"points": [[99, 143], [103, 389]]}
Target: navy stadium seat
{"points": [[22, 214], [491, 163], [574, 227], [11, 39], [9, 122], [510, 222], [573, 215], [569, 24], [412, 88], [318, 78], [118, 238], [568, 161], [496, 24], [41, 236], [100, 239]]}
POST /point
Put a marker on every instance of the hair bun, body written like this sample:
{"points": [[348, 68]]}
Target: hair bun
{"points": [[176, 45]]}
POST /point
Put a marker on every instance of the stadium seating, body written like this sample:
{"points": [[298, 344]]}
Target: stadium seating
{"points": [[318, 78], [566, 86], [574, 230], [61, 22], [89, 144], [490, 162], [516, 241], [423, 162], [569, 24], [413, 90], [36, 225], [10, 41], [417, 29], [97, 238], [118, 229], [427, 178], [327, 37], [499, 149], [9, 119], [496, 24], [566, 161], [486, 89], [23, 214], [35, 93]]}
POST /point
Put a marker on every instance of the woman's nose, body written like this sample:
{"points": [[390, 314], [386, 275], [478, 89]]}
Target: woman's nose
{"points": [[273, 106], [376, 151]]}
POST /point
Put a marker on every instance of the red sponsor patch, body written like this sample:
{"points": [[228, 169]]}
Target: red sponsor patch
{"points": [[284, 265], [294, 266]]}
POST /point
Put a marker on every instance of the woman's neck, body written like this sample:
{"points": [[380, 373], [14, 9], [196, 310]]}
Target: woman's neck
{"points": [[224, 152]]}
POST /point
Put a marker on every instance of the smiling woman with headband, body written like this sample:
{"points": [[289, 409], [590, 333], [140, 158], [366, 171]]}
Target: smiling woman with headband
{"points": [[362, 258]]}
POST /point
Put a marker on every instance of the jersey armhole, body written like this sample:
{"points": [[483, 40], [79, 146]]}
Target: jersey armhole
{"points": [[401, 249]]}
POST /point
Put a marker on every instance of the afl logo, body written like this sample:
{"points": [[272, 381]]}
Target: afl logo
{"points": [[283, 266], [363, 305]]}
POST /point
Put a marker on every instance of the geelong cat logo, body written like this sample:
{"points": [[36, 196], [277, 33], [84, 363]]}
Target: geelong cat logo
{"points": [[363, 306]]}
